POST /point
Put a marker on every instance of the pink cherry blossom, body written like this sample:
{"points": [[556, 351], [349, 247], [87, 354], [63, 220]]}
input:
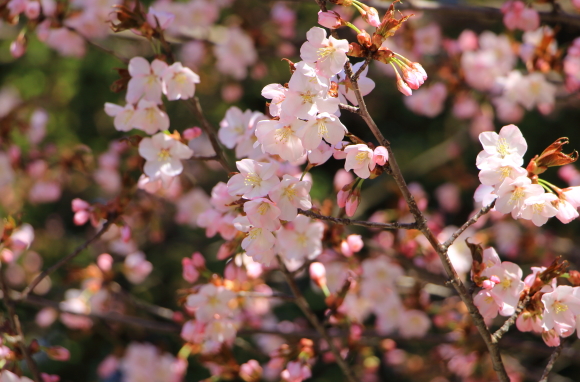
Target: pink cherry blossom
{"points": [[137, 268], [263, 213], [276, 93], [300, 240], [210, 301], [179, 82], [255, 179], [123, 115], [282, 138], [258, 243], [329, 54], [163, 155], [509, 143], [539, 208], [512, 195], [358, 158], [145, 80], [414, 324], [320, 155], [560, 310], [148, 117], [290, 195], [324, 126]]}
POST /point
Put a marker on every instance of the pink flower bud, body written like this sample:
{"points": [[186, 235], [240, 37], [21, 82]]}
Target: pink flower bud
{"points": [[18, 48], [198, 260], [235, 273], [342, 178], [192, 133], [125, 233], [341, 198], [329, 19], [79, 205], [352, 204], [551, 338], [46, 317], [468, 40], [318, 273], [345, 249], [190, 274], [105, 262], [419, 69], [402, 85], [355, 243], [81, 217], [7, 256], [58, 353], [380, 156], [372, 17], [494, 279], [488, 284]]}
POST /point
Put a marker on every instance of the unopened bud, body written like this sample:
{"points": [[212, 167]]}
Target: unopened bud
{"points": [[58, 353], [371, 16], [251, 371], [192, 133], [355, 50], [105, 262], [318, 273], [352, 204], [380, 156], [402, 85], [18, 46], [330, 19]]}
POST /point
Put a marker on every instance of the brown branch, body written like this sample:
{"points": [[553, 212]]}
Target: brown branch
{"points": [[303, 305], [510, 321], [362, 68], [551, 363], [467, 224], [67, 258], [352, 109], [196, 109], [17, 329], [362, 223]]}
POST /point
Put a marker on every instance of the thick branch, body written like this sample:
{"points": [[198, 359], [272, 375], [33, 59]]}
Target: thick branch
{"points": [[467, 224], [551, 363], [66, 259], [15, 324], [362, 223], [303, 305], [196, 109]]}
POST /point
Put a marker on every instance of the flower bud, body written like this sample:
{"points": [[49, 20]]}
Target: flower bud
{"points": [[352, 203], [79, 205], [32, 10], [341, 197], [18, 47], [192, 133], [402, 85], [105, 262], [371, 16], [81, 217], [380, 156], [318, 273], [190, 273], [330, 19], [355, 243], [58, 353], [355, 50]]}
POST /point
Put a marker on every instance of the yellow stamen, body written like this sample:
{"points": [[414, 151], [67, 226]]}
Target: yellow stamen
{"points": [[252, 179], [164, 155], [307, 97], [517, 195], [289, 192], [323, 53], [322, 129], [559, 307], [502, 147], [264, 207], [282, 135], [361, 157]]}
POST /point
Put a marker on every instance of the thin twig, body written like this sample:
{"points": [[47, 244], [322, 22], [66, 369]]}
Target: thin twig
{"points": [[467, 224], [303, 305], [551, 363], [196, 109], [362, 223], [67, 258], [510, 321], [15, 324], [352, 109]]}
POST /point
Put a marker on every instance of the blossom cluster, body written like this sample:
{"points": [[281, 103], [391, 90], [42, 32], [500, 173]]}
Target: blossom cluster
{"points": [[519, 191]]}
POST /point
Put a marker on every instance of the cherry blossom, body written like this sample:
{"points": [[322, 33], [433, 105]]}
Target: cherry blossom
{"points": [[255, 179], [359, 159], [324, 126], [210, 301], [329, 54], [282, 138], [512, 195], [560, 310], [148, 117], [263, 213], [163, 155], [539, 208], [258, 243], [124, 116], [509, 143], [145, 80], [179, 82], [290, 195]]}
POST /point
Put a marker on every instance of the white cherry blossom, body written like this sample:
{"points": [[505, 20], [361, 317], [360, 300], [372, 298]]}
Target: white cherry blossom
{"points": [[145, 80], [328, 53], [255, 179], [179, 82], [163, 155], [290, 195]]}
